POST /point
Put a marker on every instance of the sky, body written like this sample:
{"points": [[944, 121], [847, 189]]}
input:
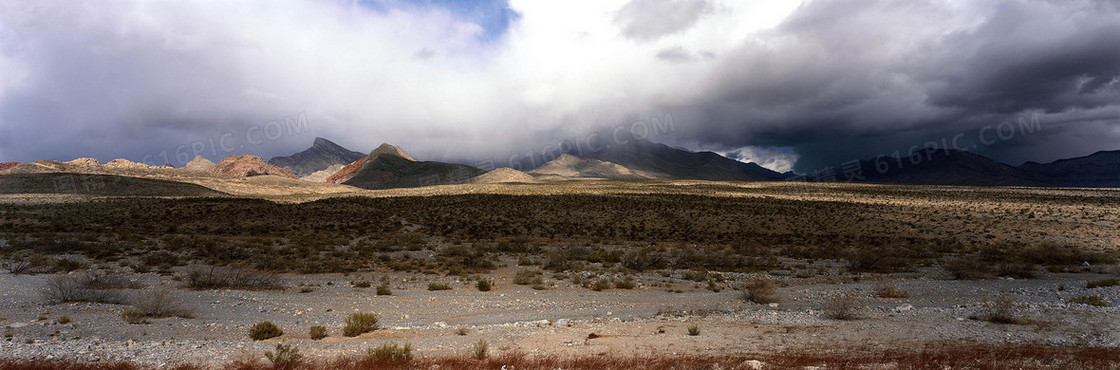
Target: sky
{"points": [[792, 85]]}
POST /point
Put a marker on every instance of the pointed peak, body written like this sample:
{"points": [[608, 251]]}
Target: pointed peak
{"points": [[386, 148]]}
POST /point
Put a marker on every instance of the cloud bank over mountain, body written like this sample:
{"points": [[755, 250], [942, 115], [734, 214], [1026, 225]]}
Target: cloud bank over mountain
{"points": [[783, 83]]}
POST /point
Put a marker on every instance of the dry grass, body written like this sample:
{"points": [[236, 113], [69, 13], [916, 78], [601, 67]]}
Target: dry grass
{"points": [[934, 356]]}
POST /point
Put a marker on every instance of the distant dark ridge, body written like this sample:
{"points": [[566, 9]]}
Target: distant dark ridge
{"points": [[956, 167], [660, 159], [100, 185]]}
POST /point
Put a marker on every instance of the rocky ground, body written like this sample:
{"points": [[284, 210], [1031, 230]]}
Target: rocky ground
{"points": [[652, 318]]}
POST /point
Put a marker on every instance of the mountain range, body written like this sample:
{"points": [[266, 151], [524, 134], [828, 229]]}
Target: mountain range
{"points": [[389, 166], [663, 161]]}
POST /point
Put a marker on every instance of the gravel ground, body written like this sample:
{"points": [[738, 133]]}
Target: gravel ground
{"points": [[647, 319]]}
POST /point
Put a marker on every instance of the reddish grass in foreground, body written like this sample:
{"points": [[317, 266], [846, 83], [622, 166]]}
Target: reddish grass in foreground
{"points": [[931, 357]]}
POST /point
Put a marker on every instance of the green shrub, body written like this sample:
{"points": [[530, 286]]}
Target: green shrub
{"points": [[1092, 300], [383, 289], [600, 285], [627, 283], [265, 330], [528, 277], [361, 284], [484, 285], [389, 353], [694, 330], [438, 286], [318, 332], [359, 323]]}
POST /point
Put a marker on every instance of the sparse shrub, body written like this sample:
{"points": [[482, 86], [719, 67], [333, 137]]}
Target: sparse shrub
{"points": [[887, 290], [67, 264], [160, 303], [842, 307], [103, 280], [1102, 283], [528, 277], [286, 356], [1092, 300], [18, 265], [627, 283], [480, 349], [389, 353], [359, 323], [694, 330], [696, 276], [383, 289], [1017, 270], [484, 285], [760, 290], [213, 277], [318, 332], [1001, 310], [601, 284], [461, 331], [72, 288], [880, 260], [134, 317], [361, 284], [64, 320], [438, 286], [964, 268], [264, 330]]}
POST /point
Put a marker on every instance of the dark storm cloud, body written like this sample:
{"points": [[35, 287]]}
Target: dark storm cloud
{"points": [[771, 82], [844, 79]]}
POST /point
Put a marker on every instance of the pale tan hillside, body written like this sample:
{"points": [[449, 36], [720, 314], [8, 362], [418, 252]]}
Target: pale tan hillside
{"points": [[321, 176], [504, 175]]}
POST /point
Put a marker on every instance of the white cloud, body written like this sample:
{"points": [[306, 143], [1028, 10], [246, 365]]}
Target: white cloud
{"points": [[776, 159]]}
